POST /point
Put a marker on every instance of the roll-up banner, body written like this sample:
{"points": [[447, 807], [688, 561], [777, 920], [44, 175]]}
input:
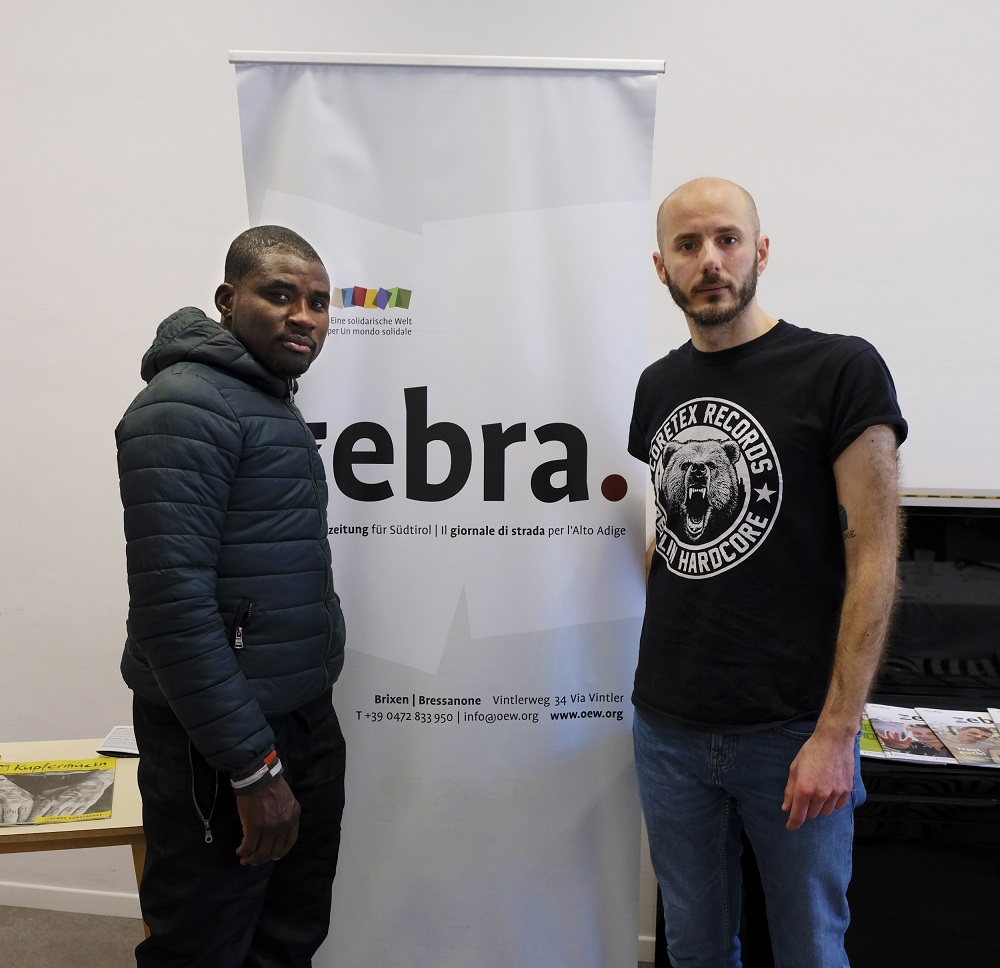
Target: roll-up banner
{"points": [[486, 226]]}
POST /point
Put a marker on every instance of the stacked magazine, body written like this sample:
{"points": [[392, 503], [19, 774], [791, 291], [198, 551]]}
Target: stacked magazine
{"points": [[924, 735]]}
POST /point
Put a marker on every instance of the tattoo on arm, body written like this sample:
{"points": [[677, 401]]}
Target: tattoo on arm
{"points": [[844, 527]]}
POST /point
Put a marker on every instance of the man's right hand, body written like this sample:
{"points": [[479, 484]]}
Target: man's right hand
{"points": [[270, 819]]}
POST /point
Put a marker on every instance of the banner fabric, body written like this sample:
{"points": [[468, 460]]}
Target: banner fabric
{"points": [[487, 236]]}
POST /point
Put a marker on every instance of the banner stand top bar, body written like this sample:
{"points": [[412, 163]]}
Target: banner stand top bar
{"points": [[448, 60]]}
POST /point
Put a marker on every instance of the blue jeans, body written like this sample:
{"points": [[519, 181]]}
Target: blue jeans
{"points": [[697, 789]]}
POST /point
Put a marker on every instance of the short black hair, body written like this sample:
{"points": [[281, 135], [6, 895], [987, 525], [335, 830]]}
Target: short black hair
{"points": [[251, 246]]}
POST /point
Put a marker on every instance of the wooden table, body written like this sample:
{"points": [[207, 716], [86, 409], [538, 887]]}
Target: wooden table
{"points": [[124, 826]]}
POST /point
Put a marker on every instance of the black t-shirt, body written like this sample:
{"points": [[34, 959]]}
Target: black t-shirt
{"points": [[747, 580]]}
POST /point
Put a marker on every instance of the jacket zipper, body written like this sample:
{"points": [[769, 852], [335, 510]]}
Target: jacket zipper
{"points": [[242, 618]]}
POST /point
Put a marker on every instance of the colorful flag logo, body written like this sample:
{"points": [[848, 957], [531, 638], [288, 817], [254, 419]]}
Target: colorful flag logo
{"points": [[358, 297]]}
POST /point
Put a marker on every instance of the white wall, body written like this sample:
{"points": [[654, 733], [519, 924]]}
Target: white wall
{"points": [[866, 130]]}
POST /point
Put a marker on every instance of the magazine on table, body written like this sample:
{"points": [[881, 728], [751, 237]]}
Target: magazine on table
{"points": [[971, 736], [870, 746], [119, 742], [54, 791], [904, 735]]}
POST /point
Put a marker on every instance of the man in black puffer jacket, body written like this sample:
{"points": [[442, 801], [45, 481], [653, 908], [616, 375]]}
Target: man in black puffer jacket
{"points": [[235, 633]]}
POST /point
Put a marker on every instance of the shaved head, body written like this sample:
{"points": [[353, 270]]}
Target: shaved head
{"points": [[247, 252], [692, 192]]}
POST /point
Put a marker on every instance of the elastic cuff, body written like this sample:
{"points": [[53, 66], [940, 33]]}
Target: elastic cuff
{"points": [[257, 777]]}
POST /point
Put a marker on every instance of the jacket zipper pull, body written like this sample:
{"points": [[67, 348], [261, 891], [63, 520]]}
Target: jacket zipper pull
{"points": [[208, 832], [240, 620]]}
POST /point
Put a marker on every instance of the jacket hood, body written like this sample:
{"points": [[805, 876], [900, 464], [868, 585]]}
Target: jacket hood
{"points": [[189, 336]]}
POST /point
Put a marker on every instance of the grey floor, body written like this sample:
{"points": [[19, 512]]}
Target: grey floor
{"points": [[30, 938]]}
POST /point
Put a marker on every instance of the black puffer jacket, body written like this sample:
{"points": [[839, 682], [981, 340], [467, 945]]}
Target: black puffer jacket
{"points": [[232, 613]]}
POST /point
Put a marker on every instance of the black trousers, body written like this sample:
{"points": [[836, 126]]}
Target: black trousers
{"points": [[204, 909]]}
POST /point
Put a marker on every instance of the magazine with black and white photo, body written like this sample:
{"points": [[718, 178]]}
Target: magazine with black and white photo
{"points": [[905, 735], [970, 735], [53, 791]]}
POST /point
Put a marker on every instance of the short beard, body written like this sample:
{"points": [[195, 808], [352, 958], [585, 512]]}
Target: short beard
{"points": [[711, 316], [290, 371]]}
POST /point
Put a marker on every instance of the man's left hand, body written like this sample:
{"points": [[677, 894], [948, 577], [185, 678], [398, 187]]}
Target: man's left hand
{"points": [[820, 779], [270, 818]]}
